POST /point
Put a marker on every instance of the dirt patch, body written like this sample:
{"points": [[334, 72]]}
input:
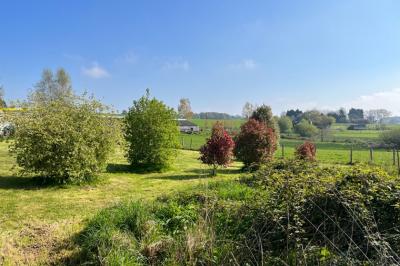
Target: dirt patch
{"points": [[38, 243]]}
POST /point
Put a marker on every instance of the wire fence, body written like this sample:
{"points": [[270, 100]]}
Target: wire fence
{"points": [[344, 154]]}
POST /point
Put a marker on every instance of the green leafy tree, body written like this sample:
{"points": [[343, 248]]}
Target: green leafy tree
{"points": [[320, 120], [295, 115], [340, 116], [305, 129], [3, 103], [151, 133], [264, 114], [285, 124], [356, 115]]}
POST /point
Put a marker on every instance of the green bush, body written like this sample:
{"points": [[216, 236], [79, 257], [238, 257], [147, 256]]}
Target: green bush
{"points": [[391, 138], [151, 133], [63, 141], [305, 129], [285, 124]]}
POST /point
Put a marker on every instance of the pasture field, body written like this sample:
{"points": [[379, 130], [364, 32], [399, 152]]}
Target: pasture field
{"points": [[37, 222], [327, 152], [337, 133], [206, 124]]}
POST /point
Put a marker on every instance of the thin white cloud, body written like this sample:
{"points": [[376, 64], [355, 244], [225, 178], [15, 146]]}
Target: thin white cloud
{"points": [[389, 99], [176, 65], [95, 71], [247, 64]]}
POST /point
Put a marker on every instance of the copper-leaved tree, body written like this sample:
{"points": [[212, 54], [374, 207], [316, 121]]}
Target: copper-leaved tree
{"points": [[255, 144], [218, 150], [306, 151]]}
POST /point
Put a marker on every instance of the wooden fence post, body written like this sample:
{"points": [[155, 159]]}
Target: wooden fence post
{"points": [[398, 162], [370, 154], [394, 156], [191, 142], [351, 155]]}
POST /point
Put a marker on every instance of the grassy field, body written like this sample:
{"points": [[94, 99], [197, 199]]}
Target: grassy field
{"points": [[37, 222], [337, 133], [327, 152], [233, 124]]}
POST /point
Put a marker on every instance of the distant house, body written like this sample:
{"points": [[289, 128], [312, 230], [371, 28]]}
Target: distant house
{"points": [[187, 126], [357, 127]]}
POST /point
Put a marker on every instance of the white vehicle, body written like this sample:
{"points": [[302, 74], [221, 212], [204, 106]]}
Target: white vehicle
{"points": [[6, 129]]}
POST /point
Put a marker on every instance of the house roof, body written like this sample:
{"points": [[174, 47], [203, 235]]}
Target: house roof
{"points": [[185, 123]]}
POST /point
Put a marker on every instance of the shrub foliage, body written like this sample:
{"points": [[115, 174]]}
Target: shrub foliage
{"points": [[287, 213], [218, 149], [305, 129], [63, 141], [306, 151], [391, 138], [151, 133], [255, 144]]}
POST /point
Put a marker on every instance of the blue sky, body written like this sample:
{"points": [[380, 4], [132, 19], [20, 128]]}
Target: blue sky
{"points": [[219, 54]]}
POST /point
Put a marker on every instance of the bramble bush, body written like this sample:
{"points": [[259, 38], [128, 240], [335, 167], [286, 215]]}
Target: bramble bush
{"points": [[287, 213], [255, 143], [64, 141], [306, 151], [151, 134], [218, 150]]}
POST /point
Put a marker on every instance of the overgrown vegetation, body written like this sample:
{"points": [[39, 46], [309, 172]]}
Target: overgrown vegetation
{"points": [[287, 213]]}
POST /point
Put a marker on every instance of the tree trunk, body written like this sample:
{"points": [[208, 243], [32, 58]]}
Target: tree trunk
{"points": [[214, 170]]}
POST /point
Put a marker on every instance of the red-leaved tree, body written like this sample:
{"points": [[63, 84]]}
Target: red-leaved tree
{"points": [[255, 144], [218, 150], [306, 151]]}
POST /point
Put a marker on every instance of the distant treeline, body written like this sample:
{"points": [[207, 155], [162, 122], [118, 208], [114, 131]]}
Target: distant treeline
{"points": [[214, 115]]}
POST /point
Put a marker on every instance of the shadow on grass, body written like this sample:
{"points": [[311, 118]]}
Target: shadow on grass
{"points": [[138, 169], [222, 171], [26, 183], [177, 177]]}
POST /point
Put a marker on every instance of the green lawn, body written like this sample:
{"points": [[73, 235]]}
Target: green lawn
{"points": [[37, 222]]}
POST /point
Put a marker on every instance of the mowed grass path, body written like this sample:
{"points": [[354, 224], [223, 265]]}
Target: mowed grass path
{"points": [[37, 222]]}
